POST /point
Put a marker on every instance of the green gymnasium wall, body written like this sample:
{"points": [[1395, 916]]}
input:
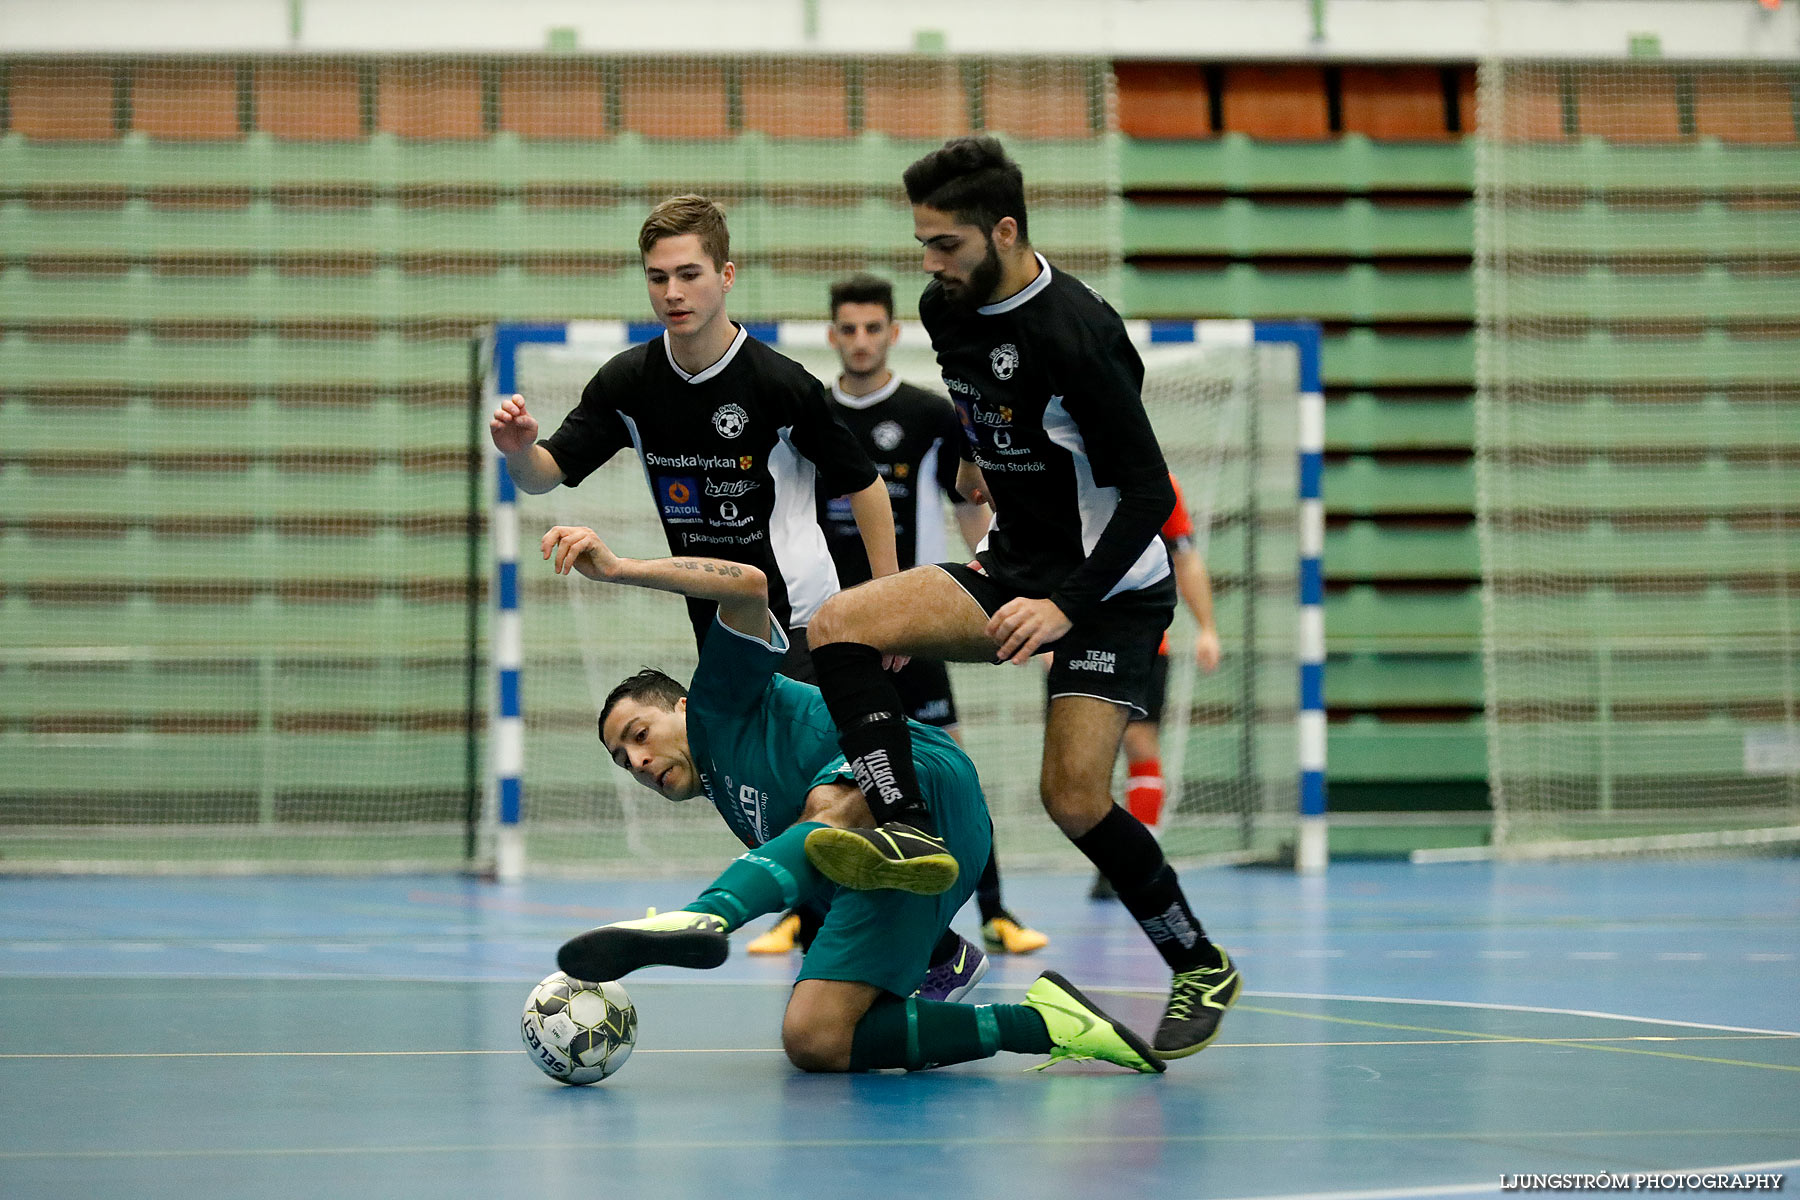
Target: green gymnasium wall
{"points": [[1345, 194], [225, 280]]}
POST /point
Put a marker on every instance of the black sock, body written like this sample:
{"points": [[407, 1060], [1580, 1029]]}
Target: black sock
{"points": [[872, 730], [987, 889], [946, 948], [812, 918], [1130, 858]]}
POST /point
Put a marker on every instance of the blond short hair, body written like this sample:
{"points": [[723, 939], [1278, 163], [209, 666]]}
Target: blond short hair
{"points": [[679, 215]]}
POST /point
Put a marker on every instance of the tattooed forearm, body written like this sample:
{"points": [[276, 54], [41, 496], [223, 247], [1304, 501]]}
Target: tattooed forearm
{"points": [[729, 570]]}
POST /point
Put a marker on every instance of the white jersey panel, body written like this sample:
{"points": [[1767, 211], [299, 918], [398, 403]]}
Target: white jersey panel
{"points": [[1097, 504], [637, 444], [795, 536], [929, 543]]}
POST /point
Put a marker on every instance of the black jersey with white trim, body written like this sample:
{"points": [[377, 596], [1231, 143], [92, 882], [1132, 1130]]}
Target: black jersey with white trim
{"points": [[913, 438], [732, 456], [1049, 390]]}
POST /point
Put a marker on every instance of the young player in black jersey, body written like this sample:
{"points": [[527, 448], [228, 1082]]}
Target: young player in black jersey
{"points": [[1048, 389], [912, 436], [732, 435]]}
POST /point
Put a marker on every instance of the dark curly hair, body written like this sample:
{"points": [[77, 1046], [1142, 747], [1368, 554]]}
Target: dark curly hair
{"points": [[973, 180]]}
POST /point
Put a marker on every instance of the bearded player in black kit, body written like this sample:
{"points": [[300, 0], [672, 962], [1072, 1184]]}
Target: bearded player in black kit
{"points": [[1047, 386]]}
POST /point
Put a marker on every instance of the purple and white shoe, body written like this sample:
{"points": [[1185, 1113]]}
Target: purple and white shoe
{"points": [[957, 975]]}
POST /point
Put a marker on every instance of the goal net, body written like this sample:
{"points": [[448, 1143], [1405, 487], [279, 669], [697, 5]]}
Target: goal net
{"points": [[1638, 453], [1226, 417]]}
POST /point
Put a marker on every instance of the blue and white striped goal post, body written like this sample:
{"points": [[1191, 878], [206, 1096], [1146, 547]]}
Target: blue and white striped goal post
{"points": [[505, 794]]}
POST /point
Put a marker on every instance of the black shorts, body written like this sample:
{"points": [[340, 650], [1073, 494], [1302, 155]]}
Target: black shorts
{"points": [[924, 687], [1109, 654], [797, 663], [1158, 692]]}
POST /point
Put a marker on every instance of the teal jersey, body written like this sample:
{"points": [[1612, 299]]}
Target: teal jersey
{"points": [[760, 741]]}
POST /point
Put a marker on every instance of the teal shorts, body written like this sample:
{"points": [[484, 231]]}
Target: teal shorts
{"points": [[885, 937]]}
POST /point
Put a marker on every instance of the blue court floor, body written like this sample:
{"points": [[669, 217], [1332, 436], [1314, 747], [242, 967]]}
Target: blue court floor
{"points": [[1406, 1030]]}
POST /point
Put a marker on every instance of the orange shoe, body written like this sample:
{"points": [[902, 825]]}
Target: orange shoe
{"points": [[779, 940], [1005, 935]]}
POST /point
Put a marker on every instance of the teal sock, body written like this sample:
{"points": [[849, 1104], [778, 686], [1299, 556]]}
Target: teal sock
{"points": [[774, 877], [1022, 1029], [916, 1034]]}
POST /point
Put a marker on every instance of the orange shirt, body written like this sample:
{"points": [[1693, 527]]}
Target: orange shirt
{"points": [[1176, 532]]}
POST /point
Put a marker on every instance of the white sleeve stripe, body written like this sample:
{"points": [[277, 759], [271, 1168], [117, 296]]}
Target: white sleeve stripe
{"points": [[778, 643]]}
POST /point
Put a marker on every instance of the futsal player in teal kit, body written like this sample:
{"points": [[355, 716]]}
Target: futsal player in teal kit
{"points": [[763, 750]]}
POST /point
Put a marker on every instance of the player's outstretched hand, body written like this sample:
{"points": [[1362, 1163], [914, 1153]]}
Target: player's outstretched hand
{"points": [[578, 548], [1021, 626], [1207, 651], [513, 429]]}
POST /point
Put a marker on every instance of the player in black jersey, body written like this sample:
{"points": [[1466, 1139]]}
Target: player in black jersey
{"points": [[732, 435], [1048, 389], [733, 438], [912, 436]]}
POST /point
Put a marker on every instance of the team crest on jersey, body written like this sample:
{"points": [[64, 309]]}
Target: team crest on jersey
{"points": [[1004, 360], [887, 435], [745, 462], [730, 420]]}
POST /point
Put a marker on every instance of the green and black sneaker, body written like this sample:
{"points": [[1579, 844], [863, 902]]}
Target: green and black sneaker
{"points": [[1080, 1029], [674, 939], [1197, 1003], [894, 856]]}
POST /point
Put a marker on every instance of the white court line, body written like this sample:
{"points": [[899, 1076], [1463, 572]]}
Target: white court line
{"points": [[527, 981], [1522, 1008], [1485, 1189], [1361, 1043]]}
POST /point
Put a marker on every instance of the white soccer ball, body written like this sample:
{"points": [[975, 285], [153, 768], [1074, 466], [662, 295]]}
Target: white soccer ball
{"points": [[578, 1032]]}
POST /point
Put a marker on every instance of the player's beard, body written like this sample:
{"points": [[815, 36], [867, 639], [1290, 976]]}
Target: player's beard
{"points": [[983, 279]]}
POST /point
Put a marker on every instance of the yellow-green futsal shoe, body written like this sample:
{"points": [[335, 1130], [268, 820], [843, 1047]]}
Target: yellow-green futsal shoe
{"points": [[672, 939], [1080, 1029], [894, 856]]}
